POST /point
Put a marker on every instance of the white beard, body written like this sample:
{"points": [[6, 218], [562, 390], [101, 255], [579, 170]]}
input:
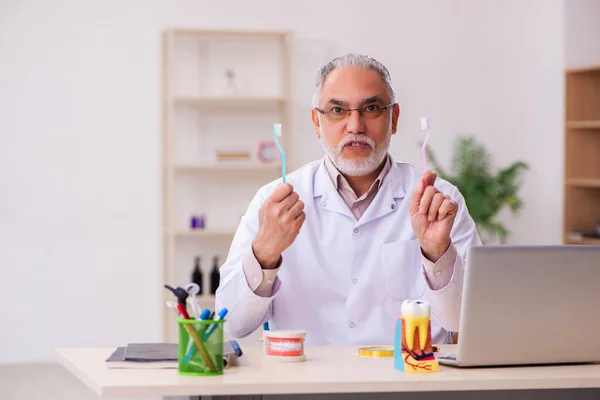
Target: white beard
{"points": [[359, 167]]}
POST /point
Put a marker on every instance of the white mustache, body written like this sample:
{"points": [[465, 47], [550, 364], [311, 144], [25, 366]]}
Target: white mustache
{"points": [[356, 138]]}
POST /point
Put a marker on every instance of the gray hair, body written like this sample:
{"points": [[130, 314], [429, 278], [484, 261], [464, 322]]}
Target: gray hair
{"points": [[353, 60]]}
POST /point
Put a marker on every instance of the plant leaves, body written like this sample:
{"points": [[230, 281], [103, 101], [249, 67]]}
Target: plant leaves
{"points": [[486, 193]]}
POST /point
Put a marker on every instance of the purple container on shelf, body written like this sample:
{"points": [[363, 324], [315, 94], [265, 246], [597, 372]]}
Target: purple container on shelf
{"points": [[197, 221]]}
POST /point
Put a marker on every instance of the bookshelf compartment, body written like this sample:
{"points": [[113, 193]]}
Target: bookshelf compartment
{"points": [[222, 198], [199, 133], [189, 249], [224, 65], [583, 95], [586, 215], [583, 154]]}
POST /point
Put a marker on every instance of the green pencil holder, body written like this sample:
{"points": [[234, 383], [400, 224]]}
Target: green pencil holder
{"points": [[200, 347]]}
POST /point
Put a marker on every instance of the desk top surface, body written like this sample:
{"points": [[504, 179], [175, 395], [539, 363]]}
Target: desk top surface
{"points": [[328, 369]]}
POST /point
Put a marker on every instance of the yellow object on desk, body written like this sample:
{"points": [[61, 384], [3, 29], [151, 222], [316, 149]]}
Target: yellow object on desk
{"points": [[376, 351], [383, 351]]}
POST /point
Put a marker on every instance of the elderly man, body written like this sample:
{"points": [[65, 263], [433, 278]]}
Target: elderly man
{"points": [[336, 249]]}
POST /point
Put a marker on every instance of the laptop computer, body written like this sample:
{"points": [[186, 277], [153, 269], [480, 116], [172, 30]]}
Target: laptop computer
{"points": [[529, 305]]}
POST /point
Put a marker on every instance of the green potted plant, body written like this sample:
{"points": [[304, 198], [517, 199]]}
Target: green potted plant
{"points": [[485, 193]]}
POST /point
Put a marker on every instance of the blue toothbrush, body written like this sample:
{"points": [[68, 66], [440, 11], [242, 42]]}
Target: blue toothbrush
{"points": [[276, 134]]}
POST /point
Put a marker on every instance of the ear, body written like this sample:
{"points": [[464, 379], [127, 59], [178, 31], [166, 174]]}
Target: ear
{"points": [[314, 114], [395, 115]]}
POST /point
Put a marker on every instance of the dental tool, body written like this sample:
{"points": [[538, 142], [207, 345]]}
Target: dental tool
{"points": [[193, 289], [181, 296]]}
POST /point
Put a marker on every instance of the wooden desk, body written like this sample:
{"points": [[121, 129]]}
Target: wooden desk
{"points": [[327, 370]]}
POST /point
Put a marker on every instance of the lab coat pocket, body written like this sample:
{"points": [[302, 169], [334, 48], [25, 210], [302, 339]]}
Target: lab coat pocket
{"points": [[402, 269]]}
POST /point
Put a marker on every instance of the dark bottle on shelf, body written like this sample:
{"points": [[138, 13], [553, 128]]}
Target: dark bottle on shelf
{"points": [[197, 274], [214, 276]]}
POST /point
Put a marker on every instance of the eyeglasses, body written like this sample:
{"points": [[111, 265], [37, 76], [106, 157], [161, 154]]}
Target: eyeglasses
{"points": [[337, 113]]}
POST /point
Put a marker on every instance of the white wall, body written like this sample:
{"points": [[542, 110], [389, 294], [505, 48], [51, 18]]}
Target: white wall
{"points": [[582, 33], [79, 119], [79, 187]]}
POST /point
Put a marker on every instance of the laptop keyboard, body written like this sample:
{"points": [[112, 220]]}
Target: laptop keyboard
{"points": [[447, 356]]}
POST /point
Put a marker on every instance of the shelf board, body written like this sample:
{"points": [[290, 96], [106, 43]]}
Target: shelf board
{"points": [[583, 69], [592, 124], [223, 32], [191, 233], [228, 100], [227, 166], [584, 240], [584, 183]]}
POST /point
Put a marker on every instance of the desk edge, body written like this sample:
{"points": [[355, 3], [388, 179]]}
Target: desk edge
{"points": [[66, 363]]}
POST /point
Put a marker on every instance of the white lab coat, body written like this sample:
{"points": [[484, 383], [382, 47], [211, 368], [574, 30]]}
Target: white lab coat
{"points": [[343, 280]]}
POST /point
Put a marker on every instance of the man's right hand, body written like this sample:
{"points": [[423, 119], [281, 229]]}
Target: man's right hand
{"points": [[280, 218]]}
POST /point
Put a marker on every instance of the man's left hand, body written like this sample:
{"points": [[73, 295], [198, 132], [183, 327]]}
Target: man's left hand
{"points": [[432, 214]]}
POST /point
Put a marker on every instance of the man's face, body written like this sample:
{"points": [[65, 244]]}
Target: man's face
{"points": [[357, 144]]}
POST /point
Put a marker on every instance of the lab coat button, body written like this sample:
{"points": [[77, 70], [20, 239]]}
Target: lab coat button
{"points": [[354, 280], [355, 230], [269, 281], [438, 273], [323, 203], [351, 324], [256, 279], [393, 206]]}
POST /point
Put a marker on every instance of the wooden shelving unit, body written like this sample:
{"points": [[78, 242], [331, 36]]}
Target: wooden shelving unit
{"points": [[200, 233], [582, 156], [221, 89]]}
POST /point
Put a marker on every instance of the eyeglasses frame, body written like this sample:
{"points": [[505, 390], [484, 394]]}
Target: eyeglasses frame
{"points": [[355, 109]]}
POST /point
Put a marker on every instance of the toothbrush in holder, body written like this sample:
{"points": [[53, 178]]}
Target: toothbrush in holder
{"points": [[425, 127], [276, 134]]}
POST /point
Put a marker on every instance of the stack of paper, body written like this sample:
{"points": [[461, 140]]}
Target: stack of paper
{"points": [[161, 355], [144, 355]]}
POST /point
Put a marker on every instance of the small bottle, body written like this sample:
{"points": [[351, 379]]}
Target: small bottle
{"points": [[198, 221], [214, 276], [197, 273]]}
